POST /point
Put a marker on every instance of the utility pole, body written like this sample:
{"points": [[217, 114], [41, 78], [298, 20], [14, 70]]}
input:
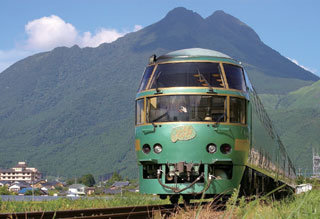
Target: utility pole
{"points": [[299, 171], [32, 179], [316, 163]]}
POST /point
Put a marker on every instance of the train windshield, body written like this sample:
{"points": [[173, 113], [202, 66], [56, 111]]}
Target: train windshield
{"points": [[146, 76], [186, 108], [187, 74], [235, 77]]}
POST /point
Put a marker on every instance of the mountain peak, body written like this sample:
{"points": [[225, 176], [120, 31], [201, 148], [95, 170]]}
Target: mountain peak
{"points": [[182, 13], [220, 15], [232, 25]]}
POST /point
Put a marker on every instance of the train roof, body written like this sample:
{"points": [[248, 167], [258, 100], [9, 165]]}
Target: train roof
{"points": [[193, 52]]}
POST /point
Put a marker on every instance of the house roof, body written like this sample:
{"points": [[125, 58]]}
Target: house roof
{"points": [[50, 183], [112, 191], [24, 190], [15, 186], [120, 184], [24, 165], [77, 186]]}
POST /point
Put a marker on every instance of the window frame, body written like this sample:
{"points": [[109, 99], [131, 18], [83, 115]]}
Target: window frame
{"points": [[243, 114], [143, 114], [220, 67], [226, 79]]}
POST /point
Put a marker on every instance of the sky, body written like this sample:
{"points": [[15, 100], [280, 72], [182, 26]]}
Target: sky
{"points": [[291, 27]]}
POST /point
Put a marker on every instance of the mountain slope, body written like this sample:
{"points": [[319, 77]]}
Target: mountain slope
{"points": [[70, 111], [225, 33], [297, 118]]}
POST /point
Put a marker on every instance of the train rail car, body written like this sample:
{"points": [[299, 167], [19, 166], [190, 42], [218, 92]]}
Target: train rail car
{"points": [[201, 129]]}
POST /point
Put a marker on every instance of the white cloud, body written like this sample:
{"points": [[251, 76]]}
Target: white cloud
{"points": [[101, 36], [47, 33], [302, 66]]}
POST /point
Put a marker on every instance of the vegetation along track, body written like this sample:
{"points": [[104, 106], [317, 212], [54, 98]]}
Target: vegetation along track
{"points": [[118, 212]]}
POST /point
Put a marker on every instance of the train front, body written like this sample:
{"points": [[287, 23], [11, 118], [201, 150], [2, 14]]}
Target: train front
{"points": [[192, 132]]}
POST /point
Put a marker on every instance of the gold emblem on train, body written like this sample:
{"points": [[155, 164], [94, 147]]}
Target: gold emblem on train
{"points": [[182, 133]]}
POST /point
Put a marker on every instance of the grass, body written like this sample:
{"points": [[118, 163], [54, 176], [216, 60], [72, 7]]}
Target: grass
{"points": [[128, 199], [306, 205]]}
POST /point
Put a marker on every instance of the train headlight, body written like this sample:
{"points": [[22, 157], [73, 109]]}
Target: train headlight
{"points": [[225, 149], [146, 148], [157, 148], [211, 148]]}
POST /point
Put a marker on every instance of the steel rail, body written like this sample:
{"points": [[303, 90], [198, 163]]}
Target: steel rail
{"points": [[117, 212]]}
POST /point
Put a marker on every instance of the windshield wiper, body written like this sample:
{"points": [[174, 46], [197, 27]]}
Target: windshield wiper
{"points": [[159, 117], [220, 118], [201, 77]]}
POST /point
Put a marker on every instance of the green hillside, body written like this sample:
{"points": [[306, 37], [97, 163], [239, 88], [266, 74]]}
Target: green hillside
{"points": [[70, 111], [297, 119]]}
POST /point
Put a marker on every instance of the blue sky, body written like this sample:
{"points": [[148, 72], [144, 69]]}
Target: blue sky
{"points": [[27, 27]]}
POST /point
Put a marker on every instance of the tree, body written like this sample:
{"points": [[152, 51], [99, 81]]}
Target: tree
{"points": [[71, 181], [35, 192], [115, 177], [4, 191], [87, 180]]}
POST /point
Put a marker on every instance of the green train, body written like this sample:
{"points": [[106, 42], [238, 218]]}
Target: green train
{"points": [[201, 129]]}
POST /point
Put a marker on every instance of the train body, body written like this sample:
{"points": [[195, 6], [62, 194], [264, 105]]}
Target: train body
{"points": [[201, 128]]}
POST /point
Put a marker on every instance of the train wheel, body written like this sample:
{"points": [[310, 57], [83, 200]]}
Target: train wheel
{"points": [[174, 199]]}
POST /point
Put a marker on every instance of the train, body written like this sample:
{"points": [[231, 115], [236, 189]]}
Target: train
{"points": [[201, 130]]}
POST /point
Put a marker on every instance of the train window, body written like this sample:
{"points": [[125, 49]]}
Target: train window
{"points": [[235, 77], [187, 74], [146, 77], [186, 108], [237, 110], [140, 114]]}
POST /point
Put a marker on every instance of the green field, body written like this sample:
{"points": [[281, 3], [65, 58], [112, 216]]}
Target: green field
{"points": [[128, 199], [305, 205]]}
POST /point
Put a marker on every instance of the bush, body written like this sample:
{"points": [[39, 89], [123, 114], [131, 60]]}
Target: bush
{"points": [[4, 191]]}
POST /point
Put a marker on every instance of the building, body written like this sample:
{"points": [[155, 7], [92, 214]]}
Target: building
{"points": [[76, 190], [20, 173], [17, 186], [119, 185], [90, 190], [4, 183]]}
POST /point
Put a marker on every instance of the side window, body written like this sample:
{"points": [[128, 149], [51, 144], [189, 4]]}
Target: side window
{"points": [[145, 78], [237, 110], [140, 114], [235, 77]]}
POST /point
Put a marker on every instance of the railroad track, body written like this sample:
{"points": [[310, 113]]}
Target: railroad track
{"points": [[118, 212]]}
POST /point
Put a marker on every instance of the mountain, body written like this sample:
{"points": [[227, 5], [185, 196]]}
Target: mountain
{"points": [[269, 71], [297, 118], [70, 111]]}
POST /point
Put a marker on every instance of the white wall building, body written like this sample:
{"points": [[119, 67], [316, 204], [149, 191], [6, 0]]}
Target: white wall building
{"points": [[76, 190], [20, 173]]}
